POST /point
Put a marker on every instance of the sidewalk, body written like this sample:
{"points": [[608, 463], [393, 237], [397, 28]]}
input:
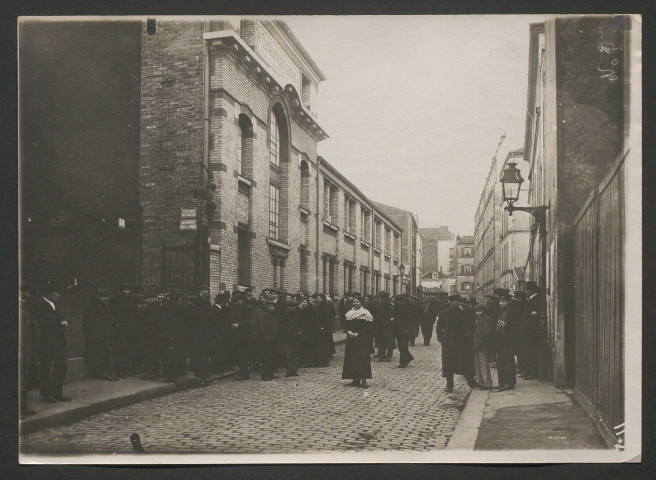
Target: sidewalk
{"points": [[91, 396], [536, 415]]}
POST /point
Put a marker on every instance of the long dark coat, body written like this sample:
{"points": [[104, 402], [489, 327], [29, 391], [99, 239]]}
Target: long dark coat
{"points": [[325, 313], [97, 323], [529, 330], [242, 336], [404, 326], [201, 322], [384, 325], [124, 312], [455, 332], [428, 315], [357, 358]]}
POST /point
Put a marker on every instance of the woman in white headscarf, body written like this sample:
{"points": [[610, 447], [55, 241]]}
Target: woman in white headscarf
{"points": [[357, 359]]}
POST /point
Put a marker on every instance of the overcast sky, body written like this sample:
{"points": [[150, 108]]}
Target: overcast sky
{"points": [[414, 105]]}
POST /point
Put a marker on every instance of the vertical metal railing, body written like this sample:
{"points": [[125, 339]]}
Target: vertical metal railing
{"points": [[599, 302]]}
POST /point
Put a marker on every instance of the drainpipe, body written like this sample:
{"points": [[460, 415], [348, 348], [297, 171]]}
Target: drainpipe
{"points": [[316, 254], [205, 250]]}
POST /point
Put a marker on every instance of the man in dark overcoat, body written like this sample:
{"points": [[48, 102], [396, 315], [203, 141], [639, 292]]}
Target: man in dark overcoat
{"points": [[124, 315], [384, 327], [52, 344], [290, 329], [152, 338], [403, 328], [221, 346], [266, 332], [175, 336], [428, 316], [240, 316], [507, 329], [200, 334], [455, 331], [325, 313], [98, 324], [529, 334]]}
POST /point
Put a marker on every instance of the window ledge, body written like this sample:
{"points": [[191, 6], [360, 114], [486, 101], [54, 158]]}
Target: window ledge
{"points": [[278, 244], [364, 244], [377, 250], [330, 225], [348, 235], [304, 210], [387, 256], [245, 180]]}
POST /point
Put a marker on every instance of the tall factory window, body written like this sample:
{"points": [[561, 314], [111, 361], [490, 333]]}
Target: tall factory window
{"points": [[274, 212], [274, 141], [365, 228], [278, 272], [245, 147], [304, 268], [244, 256], [305, 185]]}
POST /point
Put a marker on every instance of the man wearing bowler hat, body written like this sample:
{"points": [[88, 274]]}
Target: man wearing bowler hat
{"points": [[52, 355]]}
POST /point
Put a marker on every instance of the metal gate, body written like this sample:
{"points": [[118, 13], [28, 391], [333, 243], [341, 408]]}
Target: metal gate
{"points": [[599, 303]]}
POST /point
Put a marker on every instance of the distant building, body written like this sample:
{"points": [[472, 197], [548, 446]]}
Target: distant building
{"points": [[464, 266], [411, 244], [438, 249]]}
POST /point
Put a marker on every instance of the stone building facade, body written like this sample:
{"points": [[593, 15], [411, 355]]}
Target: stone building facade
{"points": [[232, 191], [411, 245], [465, 266]]}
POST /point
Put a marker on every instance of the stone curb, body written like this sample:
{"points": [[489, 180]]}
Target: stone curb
{"points": [[30, 425], [466, 431]]}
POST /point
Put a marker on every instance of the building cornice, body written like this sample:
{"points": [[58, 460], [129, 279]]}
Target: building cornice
{"points": [[229, 41]]}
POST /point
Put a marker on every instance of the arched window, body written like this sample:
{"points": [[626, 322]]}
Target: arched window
{"points": [[245, 147], [305, 185], [274, 144]]}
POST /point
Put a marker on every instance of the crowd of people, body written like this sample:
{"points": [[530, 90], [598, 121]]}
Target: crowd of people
{"points": [[507, 327], [167, 334]]}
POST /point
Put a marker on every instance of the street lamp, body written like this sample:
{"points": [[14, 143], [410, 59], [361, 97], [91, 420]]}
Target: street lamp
{"points": [[511, 183]]}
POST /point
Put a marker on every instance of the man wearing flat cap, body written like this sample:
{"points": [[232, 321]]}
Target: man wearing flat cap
{"points": [[454, 331], [52, 344]]}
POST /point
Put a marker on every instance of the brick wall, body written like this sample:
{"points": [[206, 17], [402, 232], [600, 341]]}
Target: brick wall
{"points": [[172, 128], [171, 137]]}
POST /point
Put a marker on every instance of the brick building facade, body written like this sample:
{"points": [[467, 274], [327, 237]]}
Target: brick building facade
{"points": [[232, 190]]}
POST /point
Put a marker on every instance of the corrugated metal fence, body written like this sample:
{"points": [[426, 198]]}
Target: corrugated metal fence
{"points": [[599, 303]]}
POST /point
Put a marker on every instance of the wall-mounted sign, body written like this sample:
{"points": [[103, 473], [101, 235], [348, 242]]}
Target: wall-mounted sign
{"points": [[188, 212], [188, 219], [188, 224]]}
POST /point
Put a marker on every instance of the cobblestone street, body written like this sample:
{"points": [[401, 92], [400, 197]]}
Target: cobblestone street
{"points": [[404, 409]]}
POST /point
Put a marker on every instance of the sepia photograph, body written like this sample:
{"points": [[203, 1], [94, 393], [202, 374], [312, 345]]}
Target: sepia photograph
{"points": [[330, 239]]}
